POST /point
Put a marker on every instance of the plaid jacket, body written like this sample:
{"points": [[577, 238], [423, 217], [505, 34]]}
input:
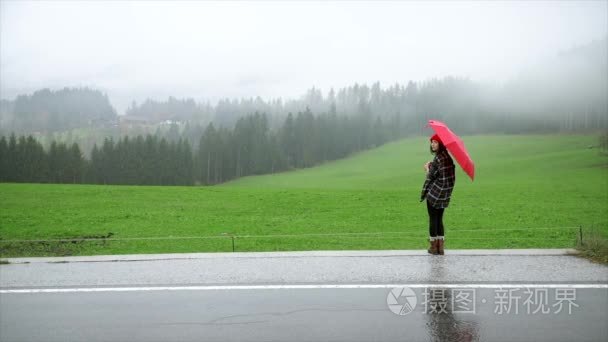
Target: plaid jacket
{"points": [[440, 179]]}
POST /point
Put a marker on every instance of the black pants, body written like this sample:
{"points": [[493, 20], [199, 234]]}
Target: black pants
{"points": [[435, 220]]}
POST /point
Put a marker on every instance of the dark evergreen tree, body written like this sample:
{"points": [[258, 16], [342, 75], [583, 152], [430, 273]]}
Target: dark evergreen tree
{"points": [[4, 160]]}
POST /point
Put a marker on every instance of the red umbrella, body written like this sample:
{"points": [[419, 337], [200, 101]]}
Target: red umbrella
{"points": [[455, 146]]}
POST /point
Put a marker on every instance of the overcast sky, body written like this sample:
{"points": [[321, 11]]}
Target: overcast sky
{"points": [[211, 50]]}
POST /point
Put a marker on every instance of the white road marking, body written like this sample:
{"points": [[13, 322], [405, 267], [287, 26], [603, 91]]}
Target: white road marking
{"points": [[296, 287]]}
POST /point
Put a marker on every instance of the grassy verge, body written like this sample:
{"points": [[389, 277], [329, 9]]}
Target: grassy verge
{"points": [[594, 246]]}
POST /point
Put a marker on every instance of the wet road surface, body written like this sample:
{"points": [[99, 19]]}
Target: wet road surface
{"points": [[307, 315], [349, 296]]}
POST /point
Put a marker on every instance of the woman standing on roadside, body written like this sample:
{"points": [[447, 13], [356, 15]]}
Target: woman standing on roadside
{"points": [[437, 190]]}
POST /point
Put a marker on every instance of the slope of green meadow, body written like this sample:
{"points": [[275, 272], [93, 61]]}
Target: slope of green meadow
{"points": [[529, 191]]}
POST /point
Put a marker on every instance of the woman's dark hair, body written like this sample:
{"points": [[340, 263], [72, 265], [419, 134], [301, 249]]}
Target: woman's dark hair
{"points": [[441, 148]]}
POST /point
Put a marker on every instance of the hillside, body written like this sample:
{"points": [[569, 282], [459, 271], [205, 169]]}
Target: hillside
{"points": [[530, 191]]}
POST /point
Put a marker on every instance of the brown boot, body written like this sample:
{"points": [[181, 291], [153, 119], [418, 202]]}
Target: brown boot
{"points": [[440, 247], [433, 247]]}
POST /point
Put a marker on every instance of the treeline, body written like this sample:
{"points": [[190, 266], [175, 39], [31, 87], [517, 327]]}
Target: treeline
{"points": [[173, 109], [220, 155], [141, 161], [24, 160], [50, 111]]}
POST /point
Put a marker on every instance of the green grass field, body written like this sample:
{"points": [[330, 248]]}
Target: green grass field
{"points": [[530, 191]]}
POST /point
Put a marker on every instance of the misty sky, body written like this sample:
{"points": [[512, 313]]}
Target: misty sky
{"points": [[211, 50]]}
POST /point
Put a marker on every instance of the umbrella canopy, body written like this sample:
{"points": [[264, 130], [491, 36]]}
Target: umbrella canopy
{"points": [[455, 146]]}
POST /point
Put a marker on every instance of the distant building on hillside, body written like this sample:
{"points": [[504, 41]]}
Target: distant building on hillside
{"points": [[129, 122]]}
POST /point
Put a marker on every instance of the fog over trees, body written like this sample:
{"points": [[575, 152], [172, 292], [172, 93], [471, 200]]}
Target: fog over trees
{"points": [[74, 135], [567, 92]]}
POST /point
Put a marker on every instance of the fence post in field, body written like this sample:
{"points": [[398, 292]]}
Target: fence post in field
{"points": [[231, 238]]}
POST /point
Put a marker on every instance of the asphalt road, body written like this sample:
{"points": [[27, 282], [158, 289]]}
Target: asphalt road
{"points": [[294, 315], [347, 296]]}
